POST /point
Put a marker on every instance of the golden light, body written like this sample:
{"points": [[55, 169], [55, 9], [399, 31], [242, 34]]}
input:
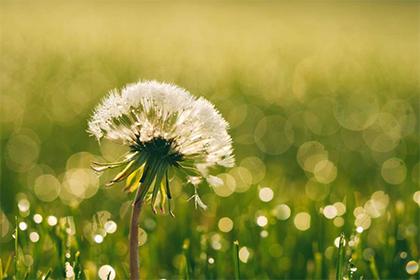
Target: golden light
{"points": [[225, 224], [302, 221]]}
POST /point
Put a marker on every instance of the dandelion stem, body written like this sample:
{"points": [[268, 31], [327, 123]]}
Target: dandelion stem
{"points": [[134, 240], [134, 236]]}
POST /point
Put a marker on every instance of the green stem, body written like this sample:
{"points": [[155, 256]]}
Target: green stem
{"points": [[16, 259], [185, 248], [340, 259], [236, 259], [134, 237], [373, 269], [145, 183]]}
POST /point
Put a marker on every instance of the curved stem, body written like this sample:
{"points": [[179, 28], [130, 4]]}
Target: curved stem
{"points": [[134, 238]]}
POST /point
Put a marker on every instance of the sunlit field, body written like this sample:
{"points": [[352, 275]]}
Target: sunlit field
{"points": [[323, 105]]}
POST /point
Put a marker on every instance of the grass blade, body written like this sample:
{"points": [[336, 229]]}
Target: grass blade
{"points": [[340, 259], [6, 269], [47, 275], [373, 268], [16, 259], [185, 248], [236, 259]]}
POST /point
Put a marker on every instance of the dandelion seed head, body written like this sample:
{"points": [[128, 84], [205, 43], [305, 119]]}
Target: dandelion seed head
{"points": [[150, 110]]}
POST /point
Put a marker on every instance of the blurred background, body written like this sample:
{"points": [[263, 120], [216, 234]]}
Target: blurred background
{"points": [[323, 103]]}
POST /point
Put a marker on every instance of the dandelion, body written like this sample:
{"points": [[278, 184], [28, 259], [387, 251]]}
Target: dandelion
{"points": [[168, 132]]}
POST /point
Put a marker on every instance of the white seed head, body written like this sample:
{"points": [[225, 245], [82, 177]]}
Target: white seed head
{"points": [[149, 110]]}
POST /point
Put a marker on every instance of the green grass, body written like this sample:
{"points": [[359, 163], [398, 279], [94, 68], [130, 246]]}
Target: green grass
{"points": [[340, 77]]}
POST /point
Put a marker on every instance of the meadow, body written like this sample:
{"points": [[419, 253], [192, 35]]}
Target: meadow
{"points": [[323, 104]]}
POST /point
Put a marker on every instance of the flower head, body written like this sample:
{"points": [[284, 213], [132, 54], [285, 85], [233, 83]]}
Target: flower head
{"points": [[165, 128]]}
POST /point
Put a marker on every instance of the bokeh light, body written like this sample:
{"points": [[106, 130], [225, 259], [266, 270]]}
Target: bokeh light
{"points": [[412, 267], [34, 236], [356, 111], [302, 221], [330, 212], [225, 224], [262, 221], [310, 154], [47, 187], [52, 220], [142, 237], [266, 194], [23, 226], [282, 212], [227, 187], [38, 218], [273, 135], [244, 254], [394, 171], [110, 227]]}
